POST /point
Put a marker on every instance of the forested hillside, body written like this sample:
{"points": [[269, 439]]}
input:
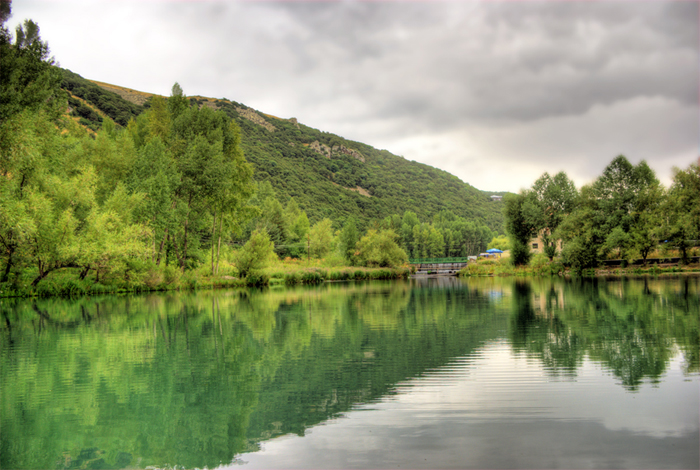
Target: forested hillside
{"points": [[328, 176]]}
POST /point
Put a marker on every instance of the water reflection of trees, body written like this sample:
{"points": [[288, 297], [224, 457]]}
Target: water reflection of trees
{"points": [[194, 379], [632, 327]]}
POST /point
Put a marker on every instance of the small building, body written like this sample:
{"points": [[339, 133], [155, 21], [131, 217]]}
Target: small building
{"points": [[537, 246], [496, 198]]}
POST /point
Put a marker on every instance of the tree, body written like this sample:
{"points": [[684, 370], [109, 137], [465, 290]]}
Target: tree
{"points": [[618, 212], [349, 237], [321, 238], [682, 208], [409, 220], [547, 203], [155, 175], [297, 227], [214, 181], [520, 228], [28, 80], [255, 254], [622, 193], [500, 243], [380, 249], [581, 233]]}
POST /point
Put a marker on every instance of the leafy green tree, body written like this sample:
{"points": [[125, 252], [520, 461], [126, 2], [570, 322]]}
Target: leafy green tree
{"points": [[321, 238], [618, 240], [647, 227], [380, 249], [519, 227], [548, 201], [427, 241], [155, 175], [255, 254], [618, 212], [500, 243], [409, 220], [296, 227], [581, 233], [620, 197], [682, 208], [349, 236], [201, 182], [109, 238], [272, 221], [28, 80]]}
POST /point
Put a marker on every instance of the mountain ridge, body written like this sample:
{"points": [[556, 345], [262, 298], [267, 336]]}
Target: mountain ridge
{"points": [[328, 175]]}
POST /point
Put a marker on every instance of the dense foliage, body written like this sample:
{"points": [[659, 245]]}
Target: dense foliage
{"points": [[328, 176], [89, 102], [624, 213], [117, 192]]}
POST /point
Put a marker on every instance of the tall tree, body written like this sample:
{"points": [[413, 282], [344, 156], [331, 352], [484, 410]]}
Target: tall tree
{"points": [[682, 208], [349, 236], [519, 227], [549, 200], [28, 80]]}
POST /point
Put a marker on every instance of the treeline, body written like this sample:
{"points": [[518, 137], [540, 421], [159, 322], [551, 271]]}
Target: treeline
{"points": [[168, 193], [443, 235], [625, 213]]}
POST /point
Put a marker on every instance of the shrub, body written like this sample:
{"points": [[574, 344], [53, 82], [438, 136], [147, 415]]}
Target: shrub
{"points": [[153, 278], [311, 277], [360, 275], [257, 279], [255, 254], [291, 279], [171, 274], [380, 249]]}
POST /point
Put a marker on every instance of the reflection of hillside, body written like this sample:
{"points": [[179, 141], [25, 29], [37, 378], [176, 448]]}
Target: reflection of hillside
{"points": [[193, 379], [422, 329]]}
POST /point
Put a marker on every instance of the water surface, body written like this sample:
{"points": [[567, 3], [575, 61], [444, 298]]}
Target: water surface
{"points": [[440, 373]]}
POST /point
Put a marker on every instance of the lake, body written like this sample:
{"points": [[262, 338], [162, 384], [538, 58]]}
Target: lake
{"points": [[424, 373]]}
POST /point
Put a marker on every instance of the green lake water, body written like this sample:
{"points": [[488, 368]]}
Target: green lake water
{"points": [[433, 373]]}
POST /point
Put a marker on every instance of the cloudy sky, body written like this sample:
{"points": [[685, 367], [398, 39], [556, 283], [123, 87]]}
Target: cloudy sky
{"points": [[495, 92]]}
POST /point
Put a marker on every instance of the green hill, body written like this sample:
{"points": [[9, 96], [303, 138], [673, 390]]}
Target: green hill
{"points": [[329, 176]]}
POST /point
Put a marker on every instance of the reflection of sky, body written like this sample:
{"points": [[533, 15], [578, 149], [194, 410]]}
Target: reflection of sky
{"points": [[498, 410]]}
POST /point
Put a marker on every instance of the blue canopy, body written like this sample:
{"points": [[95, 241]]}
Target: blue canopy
{"points": [[494, 250]]}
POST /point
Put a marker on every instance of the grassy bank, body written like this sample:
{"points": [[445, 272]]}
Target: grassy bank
{"points": [[67, 282], [541, 266]]}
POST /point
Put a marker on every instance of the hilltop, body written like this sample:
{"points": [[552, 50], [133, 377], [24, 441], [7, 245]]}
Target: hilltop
{"points": [[328, 176]]}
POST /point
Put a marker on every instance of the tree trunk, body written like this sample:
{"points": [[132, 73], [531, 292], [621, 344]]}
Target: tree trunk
{"points": [[42, 274], [213, 233], [8, 266], [180, 259], [160, 250], [218, 247], [184, 248], [84, 272]]}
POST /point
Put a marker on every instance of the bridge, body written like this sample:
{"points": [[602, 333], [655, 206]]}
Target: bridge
{"points": [[438, 265]]}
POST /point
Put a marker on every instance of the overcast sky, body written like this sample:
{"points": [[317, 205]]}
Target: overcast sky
{"points": [[495, 92]]}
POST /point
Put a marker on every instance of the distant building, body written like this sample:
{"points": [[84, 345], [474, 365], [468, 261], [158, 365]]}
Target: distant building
{"points": [[537, 246], [496, 198]]}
